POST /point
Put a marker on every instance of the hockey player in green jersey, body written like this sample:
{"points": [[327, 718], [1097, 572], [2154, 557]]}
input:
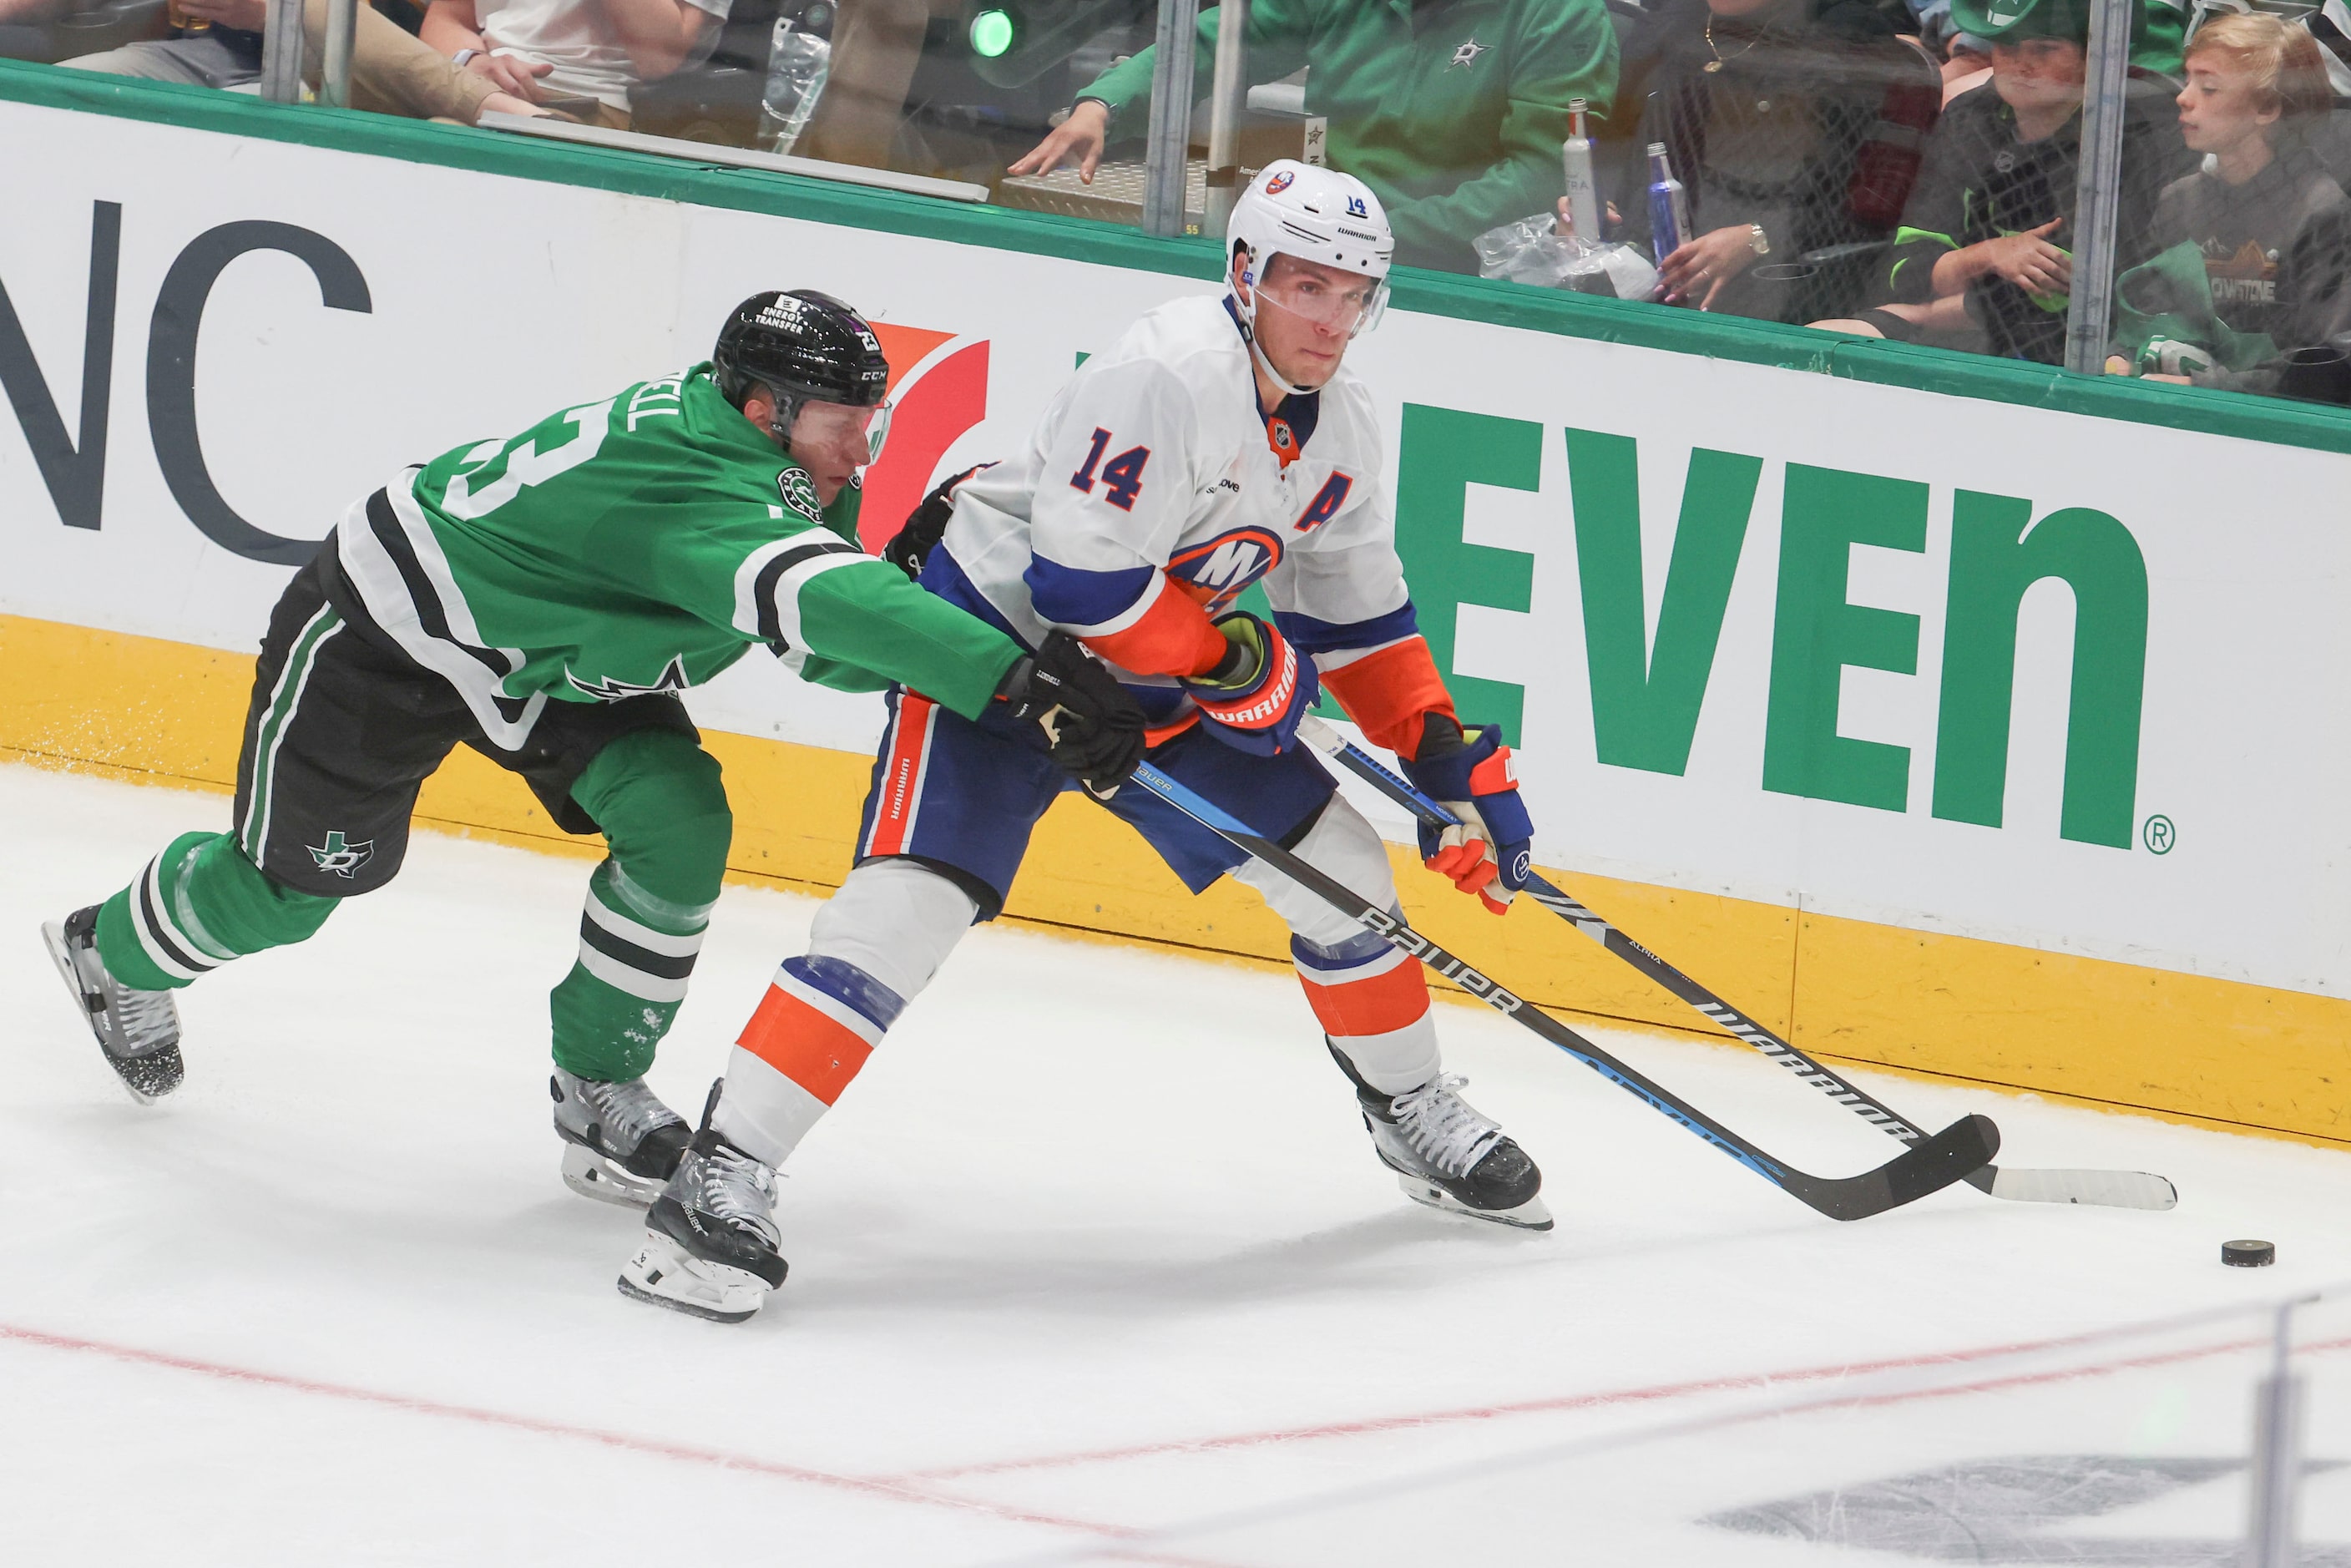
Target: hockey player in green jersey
{"points": [[544, 600]]}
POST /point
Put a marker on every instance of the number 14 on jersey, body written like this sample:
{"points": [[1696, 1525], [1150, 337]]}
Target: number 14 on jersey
{"points": [[1121, 476]]}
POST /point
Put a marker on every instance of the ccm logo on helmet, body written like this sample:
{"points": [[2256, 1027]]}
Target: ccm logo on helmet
{"points": [[1279, 182]]}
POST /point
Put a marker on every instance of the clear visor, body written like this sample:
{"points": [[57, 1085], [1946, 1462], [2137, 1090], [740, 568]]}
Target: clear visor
{"points": [[837, 426], [1350, 303]]}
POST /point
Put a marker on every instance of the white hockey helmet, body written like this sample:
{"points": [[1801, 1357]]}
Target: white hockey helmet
{"points": [[1314, 214]]}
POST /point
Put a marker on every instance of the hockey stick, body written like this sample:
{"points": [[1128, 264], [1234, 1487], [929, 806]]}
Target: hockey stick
{"points": [[2112, 1189], [1927, 1167]]}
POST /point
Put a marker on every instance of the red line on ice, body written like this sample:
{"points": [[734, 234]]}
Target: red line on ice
{"points": [[882, 1487], [1376, 1423]]}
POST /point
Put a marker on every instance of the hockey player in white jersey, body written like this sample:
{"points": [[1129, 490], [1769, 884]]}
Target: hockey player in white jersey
{"points": [[1219, 443]]}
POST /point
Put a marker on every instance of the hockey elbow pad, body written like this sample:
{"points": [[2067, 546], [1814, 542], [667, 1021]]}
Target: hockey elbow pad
{"points": [[1473, 775], [1257, 693]]}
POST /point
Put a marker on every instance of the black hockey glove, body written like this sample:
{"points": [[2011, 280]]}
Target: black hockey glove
{"points": [[911, 544], [1093, 727]]}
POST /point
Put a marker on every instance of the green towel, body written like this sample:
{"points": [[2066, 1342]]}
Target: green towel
{"points": [[2163, 318]]}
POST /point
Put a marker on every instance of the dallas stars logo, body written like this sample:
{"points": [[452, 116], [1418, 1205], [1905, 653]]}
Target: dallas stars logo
{"points": [[1466, 54], [340, 857], [608, 689], [799, 494]]}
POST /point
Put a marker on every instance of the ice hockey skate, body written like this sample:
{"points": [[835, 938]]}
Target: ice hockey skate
{"points": [[620, 1142], [711, 1246], [1448, 1155], [139, 1031]]}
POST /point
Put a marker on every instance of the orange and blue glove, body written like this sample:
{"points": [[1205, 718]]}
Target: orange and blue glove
{"points": [[1473, 775], [1257, 693]]}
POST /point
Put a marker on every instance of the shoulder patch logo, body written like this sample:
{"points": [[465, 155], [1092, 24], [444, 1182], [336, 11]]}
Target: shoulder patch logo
{"points": [[339, 855], [799, 494]]}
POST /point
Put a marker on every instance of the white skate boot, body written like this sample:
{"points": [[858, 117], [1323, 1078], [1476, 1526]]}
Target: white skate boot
{"points": [[710, 1248], [1449, 1156]]}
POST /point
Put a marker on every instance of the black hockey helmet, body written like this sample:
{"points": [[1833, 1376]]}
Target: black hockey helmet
{"points": [[803, 346]]}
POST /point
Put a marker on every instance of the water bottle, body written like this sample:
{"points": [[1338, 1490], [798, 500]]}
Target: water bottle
{"points": [[1582, 190], [799, 58], [1668, 204]]}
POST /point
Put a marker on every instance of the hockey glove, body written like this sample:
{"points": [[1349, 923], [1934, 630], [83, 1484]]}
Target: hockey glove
{"points": [[912, 543], [1474, 776], [1091, 727], [1257, 693]]}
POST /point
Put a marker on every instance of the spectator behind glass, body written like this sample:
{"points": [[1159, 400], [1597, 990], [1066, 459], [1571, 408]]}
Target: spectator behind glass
{"points": [[391, 73], [1451, 111], [583, 55], [1983, 259], [1794, 125], [2262, 212], [24, 28]]}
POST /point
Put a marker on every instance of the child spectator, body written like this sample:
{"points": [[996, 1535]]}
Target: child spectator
{"points": [[2263, 205], [1984, 255]]}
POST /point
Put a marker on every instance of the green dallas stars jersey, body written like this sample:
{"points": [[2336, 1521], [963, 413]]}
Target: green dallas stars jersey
{"points": [[643, 543]]}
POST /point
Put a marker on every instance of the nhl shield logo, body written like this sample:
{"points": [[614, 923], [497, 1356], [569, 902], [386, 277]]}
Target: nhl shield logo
{"points": [[799, 494], [340, 857]]}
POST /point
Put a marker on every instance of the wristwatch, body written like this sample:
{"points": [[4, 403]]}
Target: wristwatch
{"points": [[1757, 240]]}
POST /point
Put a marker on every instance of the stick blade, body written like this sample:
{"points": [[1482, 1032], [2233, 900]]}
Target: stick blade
{"points": [[1966, 1146], [2107, 1189]]}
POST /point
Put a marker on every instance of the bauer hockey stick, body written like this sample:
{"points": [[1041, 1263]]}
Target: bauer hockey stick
{"points": [[1926, 1166], [2112, 1189]]}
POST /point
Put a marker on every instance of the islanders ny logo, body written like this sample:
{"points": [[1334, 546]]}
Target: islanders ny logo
{"points": [[938, 389], [1216, 572], [1279, 182]]}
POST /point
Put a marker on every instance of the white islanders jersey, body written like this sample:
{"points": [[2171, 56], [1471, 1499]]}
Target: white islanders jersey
{"points": [[1153, 473]]}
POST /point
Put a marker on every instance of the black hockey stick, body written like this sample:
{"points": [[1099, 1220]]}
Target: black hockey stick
{"points": [[2112, 1189], [1927, 1167]]}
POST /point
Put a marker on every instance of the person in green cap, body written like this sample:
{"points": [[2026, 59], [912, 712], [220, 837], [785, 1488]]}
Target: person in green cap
{"points": [[2156, 29], [1983, 258], [1451, 111]]}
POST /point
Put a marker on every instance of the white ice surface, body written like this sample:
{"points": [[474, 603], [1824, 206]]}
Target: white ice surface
{"points": [[1089, 1207]]}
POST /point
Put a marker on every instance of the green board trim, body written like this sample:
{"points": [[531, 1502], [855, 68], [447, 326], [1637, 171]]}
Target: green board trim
{"points": [[1629, 323]]}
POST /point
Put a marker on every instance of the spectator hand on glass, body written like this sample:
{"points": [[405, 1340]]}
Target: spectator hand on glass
{"points": [[1079, 138], [1708, 262]]}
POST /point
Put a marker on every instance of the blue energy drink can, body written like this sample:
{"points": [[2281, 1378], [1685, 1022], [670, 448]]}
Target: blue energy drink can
{"points": [[1668, 204]]}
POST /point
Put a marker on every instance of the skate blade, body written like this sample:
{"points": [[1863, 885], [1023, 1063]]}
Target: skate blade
{"points": [[667, 1276], [591, 1175], [1531, 1215], [53, 937]]}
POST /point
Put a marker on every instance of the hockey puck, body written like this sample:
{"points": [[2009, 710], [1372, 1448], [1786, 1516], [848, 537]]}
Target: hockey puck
{"points": [[2248, 1254]]}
